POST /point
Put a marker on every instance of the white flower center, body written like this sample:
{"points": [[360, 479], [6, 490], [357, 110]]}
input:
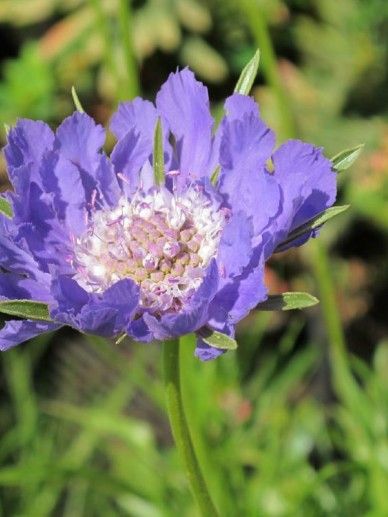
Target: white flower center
{"points": [[162, 241]]}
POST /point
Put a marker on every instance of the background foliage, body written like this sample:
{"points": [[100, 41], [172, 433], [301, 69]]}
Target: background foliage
{"points": [[294, 423]]}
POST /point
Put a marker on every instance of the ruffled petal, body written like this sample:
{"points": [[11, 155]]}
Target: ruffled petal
{"points": [[128, 157], [106, 314], [308, 186], [184, 103], [107, 183], [27, 143], [245, 147], [79, 139], [140, 331], [63, 180], [16, 259], [237, 105], [241, 294], [139, 114], [15, 332], [235, 247], [18, 287]]}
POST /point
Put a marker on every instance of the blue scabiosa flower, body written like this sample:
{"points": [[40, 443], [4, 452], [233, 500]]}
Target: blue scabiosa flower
{"points": [[111, 252]]}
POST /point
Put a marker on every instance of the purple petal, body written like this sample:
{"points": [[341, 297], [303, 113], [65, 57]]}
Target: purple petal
{"points": [[235, 248], [240, 295], [308, 185], [246, 145], [63, 180], [107, 183], [105, 314], [17, 287], [237, 105], [15, 332], [137, 114], [27, 143], [15, 259], [184, 103], [128, 157], [79, 140], [139, 330]]}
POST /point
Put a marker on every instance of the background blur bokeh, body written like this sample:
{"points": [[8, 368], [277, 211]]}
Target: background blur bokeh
{"points": [[293, 423]]}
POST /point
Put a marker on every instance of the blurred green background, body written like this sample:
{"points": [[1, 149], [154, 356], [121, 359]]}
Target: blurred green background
{"points": [[296, 421]]}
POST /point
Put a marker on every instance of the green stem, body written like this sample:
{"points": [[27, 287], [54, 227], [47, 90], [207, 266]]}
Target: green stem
{"points": [[180, 428], [131, 88]]}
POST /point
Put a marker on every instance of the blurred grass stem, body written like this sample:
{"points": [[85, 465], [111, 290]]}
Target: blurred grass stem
{"points": [[255, 17], [344, 382], [180, 429], [103, 28], [131, 84]]}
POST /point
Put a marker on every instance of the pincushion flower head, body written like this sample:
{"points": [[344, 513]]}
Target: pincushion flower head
{"points": [[112, 248]]}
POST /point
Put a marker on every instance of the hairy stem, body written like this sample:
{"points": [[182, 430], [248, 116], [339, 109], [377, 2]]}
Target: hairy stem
{"points": [[180, 428]]}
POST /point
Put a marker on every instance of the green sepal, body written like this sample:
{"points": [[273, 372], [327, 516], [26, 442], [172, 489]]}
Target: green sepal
{"points": [[5, 208], [217, 339], [346, 158], [215, 175], [77, 102], [312, 224], [248, 75], [158, 156], [26, 309], [287, 302], [7, 129]]}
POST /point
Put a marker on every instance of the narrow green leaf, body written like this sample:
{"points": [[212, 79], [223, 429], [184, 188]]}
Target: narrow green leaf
{"points": [[5, 207], [77, 102], [345, 159], [7, 129], [215, 174], [217, 339], [158, 158], [27, 309], [248, 75], [287, 302], [312, 224]]}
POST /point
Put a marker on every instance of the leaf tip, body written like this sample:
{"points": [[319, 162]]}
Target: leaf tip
{"points": [[77, 102]]}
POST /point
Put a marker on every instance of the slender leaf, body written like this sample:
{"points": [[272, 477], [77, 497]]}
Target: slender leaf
{"points": [[7, 129], [345, 159], [312, 224], [77, 102], [27, 309], [248, 75], [287, 302], [217, 339], [158, 158], [120, 339], [5, 207]]}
